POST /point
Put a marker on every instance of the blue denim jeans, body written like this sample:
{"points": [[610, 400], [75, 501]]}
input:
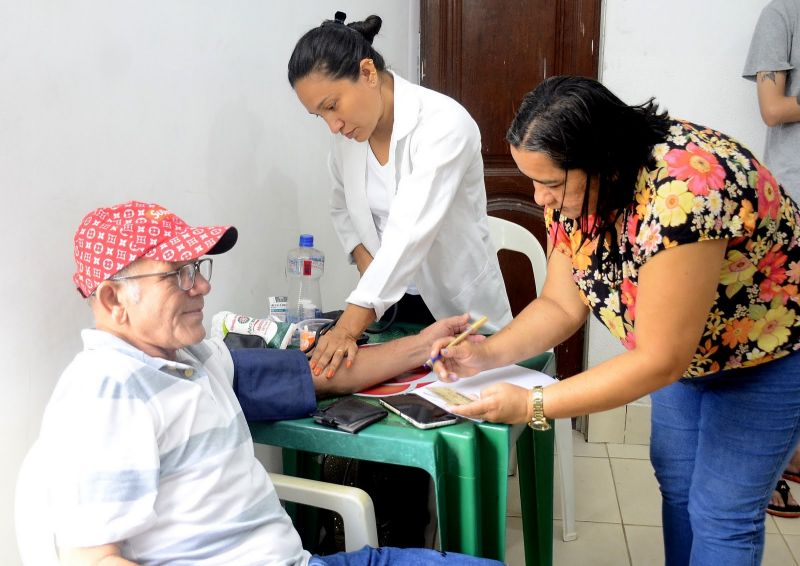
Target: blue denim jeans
{"points": [[388, 556], [718, 446]]}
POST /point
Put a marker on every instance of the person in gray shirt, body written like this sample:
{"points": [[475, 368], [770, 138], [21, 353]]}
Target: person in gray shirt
{"points": [[773, 62]]}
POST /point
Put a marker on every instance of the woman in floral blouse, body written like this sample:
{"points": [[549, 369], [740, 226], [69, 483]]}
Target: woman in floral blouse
{"points": [[679, 240]]}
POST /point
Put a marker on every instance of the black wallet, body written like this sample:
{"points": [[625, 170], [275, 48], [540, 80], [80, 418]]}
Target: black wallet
{"points": [[349, 414]]}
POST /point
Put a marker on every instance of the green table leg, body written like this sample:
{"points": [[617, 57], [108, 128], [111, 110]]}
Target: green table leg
{"points": [[535, 457], [459, 511], [495, 442], [494, 451]]}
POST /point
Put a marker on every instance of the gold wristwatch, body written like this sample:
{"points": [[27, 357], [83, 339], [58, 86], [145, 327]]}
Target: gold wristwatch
{"points": [[538, 421]]}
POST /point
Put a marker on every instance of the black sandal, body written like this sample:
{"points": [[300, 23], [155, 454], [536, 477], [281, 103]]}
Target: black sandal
{"points": [[786, 511]]}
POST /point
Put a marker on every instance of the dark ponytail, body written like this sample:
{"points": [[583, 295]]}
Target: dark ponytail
{"points": [[336, 49]]}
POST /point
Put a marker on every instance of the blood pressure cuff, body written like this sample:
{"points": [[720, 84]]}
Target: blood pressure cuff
{"points": [[273, 384]]}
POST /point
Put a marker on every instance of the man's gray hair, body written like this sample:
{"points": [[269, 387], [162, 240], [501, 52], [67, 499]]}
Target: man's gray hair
{"points": [[131, 285]]}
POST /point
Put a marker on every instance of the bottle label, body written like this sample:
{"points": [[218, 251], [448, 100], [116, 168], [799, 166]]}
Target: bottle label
{"points": [[300, 266], [277, 308]]}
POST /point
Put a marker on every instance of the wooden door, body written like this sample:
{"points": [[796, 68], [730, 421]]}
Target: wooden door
{"points": [[487, 54]]}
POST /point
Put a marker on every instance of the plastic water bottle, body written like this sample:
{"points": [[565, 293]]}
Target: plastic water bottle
{"points": [[304, 266]]}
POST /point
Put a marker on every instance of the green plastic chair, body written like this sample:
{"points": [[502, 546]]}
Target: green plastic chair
{"points": [[468, 463]]}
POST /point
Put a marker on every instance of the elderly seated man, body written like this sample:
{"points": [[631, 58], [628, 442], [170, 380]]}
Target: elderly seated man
{"points": [[150, 457]]}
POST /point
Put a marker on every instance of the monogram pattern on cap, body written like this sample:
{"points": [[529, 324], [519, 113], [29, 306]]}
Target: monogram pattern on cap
{"points": [[109, 239]]}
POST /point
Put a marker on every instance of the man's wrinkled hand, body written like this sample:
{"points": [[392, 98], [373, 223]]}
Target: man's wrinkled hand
{"points": [[447, 327]]}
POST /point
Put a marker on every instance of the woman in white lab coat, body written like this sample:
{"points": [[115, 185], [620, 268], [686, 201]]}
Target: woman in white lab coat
{"points": [[409, 203]]}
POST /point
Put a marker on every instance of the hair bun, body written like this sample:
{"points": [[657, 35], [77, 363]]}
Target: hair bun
{"points": [[369, 28], [336, 49]]}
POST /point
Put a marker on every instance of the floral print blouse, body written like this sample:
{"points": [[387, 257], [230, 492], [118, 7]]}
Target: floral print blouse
{"points": [[704, 186]]}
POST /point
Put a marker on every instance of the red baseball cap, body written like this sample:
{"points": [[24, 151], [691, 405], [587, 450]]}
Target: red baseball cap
{"points": [[111, 238]]}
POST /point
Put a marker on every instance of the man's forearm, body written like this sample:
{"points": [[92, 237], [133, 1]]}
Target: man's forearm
{"points": [[374, 365]]}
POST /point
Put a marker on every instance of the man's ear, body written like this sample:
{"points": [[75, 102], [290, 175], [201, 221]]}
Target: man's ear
{"points": [[110, 300]]}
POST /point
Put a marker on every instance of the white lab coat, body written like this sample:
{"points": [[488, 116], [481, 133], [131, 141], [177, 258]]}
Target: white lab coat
{"points": [[437, 234]]}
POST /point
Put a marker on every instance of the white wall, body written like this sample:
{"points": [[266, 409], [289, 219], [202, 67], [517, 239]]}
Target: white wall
{"points": [[182, 102], [689, 55]]}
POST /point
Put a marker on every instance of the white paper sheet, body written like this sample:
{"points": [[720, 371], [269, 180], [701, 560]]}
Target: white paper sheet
{"points": [[472, 386]]}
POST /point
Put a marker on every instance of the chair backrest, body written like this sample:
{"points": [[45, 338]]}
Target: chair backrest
{"points": [[32, 514], [507, 235]]}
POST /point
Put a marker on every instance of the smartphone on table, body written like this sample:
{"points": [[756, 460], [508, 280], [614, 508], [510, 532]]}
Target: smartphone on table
{"points": [[418, 411]]}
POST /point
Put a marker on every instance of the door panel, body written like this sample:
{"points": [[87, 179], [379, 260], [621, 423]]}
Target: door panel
{"points": [[487, 54]]}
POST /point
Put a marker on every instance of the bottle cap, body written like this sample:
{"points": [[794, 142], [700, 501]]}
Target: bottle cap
{"points": [[306, 240]]}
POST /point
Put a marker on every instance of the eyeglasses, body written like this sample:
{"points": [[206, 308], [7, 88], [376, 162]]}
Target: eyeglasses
{"points": [[186, 273]]}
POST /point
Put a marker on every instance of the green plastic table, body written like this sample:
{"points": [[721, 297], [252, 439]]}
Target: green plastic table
{"points": [[468, 463]]}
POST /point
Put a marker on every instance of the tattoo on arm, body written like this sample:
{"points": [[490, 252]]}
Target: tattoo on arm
{"points": [[764, 75]]}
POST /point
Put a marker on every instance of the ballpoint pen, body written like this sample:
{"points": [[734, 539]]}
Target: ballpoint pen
{"points": [[458, 339]]}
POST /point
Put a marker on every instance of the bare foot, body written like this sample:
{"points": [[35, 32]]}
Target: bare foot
{"points": [[782, 504], [777, 500]]}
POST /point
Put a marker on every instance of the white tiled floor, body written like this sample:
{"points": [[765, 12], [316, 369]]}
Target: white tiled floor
{"points": [[618, 513]]}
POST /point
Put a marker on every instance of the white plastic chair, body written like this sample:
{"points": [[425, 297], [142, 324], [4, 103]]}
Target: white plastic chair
{"points": [[510, 236], [36, 541], [352, 503]]}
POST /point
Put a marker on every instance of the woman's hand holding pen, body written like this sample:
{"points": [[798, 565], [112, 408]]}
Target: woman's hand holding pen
{"points": [[467, 355], [461, 360]]}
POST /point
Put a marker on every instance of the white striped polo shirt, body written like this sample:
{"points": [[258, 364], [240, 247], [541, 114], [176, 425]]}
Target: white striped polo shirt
{"points": [[156, 456]]}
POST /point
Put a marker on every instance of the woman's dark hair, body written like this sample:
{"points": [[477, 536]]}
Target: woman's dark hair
{"points": [[336, 49], [580, 124]]}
